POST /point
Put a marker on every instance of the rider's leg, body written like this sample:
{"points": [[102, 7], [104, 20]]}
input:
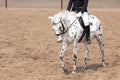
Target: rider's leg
{"points": [[88, 34], [87, 27]]}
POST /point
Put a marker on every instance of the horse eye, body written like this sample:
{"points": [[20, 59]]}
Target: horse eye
{"points": [[54, 23], [60, 28]]}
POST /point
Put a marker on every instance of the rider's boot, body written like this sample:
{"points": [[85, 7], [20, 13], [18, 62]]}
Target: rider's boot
{"points": [[87, 30]]}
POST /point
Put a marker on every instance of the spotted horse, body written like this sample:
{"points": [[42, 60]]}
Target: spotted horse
{"points": [[69, 30]]}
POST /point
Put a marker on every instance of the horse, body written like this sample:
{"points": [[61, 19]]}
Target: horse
{"points": [[69, 30]]}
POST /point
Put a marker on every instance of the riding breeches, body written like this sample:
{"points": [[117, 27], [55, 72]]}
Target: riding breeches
{"points": [[85, 18]]}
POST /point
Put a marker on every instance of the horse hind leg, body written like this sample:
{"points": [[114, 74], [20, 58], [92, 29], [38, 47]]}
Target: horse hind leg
{"points": [[74, 55], [101, 44], [86, 55]]}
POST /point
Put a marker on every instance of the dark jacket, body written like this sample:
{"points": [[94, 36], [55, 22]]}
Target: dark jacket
{"points": [[77, 5]]}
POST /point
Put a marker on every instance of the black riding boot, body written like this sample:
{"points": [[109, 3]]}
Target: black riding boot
{"points": [[87, 30]]}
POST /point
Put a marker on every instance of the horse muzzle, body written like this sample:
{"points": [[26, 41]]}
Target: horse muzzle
{"points": [[59, 38]]}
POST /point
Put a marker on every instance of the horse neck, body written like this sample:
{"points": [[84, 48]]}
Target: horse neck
{"points": [[69, 19]]}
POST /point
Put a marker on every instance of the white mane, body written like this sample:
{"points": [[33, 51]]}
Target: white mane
{"points": [[66, 14]]}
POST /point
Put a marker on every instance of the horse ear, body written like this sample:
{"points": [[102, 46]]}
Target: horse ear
{"points": [[50, 17]]}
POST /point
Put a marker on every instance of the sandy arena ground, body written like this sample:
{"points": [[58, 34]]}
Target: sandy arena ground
{"points": [[29, 51]]}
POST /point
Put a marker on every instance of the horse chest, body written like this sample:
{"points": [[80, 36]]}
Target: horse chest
{"points": [[71, 35]]}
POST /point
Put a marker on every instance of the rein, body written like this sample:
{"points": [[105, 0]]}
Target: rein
{"points": [[72, 24], [82, 24], [64, 31]]}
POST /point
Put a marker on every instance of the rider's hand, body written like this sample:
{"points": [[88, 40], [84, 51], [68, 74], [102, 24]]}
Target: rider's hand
{"points": [[78, 14]]}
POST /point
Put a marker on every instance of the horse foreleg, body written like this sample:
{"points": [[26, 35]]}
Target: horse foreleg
{"points": [[86, 55], [74, 55], [64, 46], [101, 43]]}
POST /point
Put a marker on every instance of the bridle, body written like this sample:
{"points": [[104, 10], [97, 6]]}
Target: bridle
{"points": [[64, 30]]}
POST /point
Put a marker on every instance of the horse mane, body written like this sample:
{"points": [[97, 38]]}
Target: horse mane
{"points": [[63, 13]]}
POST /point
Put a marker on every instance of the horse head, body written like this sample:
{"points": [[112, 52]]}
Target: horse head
{"points": [[61, 22], [57, 25]]}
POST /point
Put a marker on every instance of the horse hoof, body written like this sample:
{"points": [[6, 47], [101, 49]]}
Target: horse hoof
{"points": [[65, 70], [74, 71], [103, 64], [85, 67]]}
